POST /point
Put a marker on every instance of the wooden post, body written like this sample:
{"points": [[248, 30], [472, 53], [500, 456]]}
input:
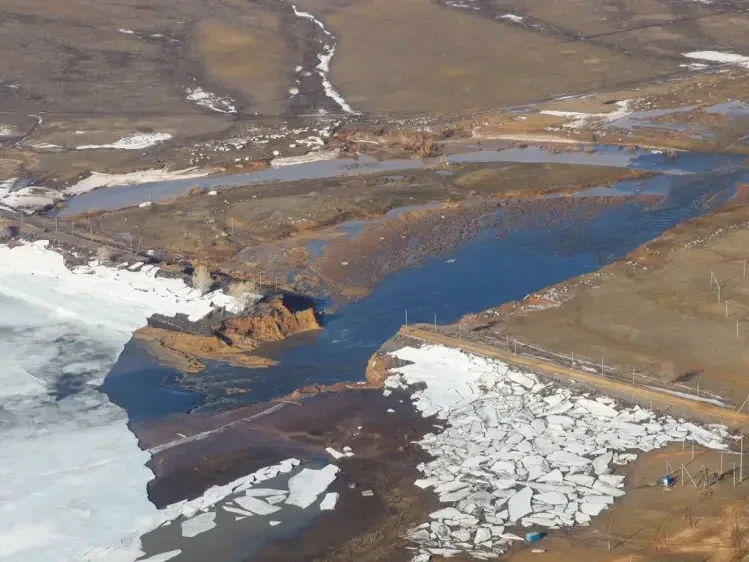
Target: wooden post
{"points": [[90, 231], [72, 227], [406, 317], [734, 475], [55, 224], [516, 346], [633, 376]]}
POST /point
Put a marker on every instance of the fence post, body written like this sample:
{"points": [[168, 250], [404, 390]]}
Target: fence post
{"points": [[406, 318]]}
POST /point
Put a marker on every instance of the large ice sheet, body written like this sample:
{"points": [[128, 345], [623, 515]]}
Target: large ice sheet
{"points": [[60, 334]]}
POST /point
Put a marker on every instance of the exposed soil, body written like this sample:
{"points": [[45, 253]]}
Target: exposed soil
{"points": [[363, 528], [269, 321]]}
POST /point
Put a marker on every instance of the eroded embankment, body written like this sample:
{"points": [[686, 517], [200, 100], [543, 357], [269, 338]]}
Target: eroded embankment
{"points": [[231, 338]]}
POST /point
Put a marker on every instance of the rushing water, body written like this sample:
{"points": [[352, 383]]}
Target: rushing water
{"points": [[486, 272]]}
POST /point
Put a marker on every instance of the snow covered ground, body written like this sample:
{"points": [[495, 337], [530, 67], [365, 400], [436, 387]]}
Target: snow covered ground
{"points": [[136, 141], [719, 57], [210, 100], [578, 120], [518, 453], [16, 194], [327, 51], [73, 479], [99, 179]]}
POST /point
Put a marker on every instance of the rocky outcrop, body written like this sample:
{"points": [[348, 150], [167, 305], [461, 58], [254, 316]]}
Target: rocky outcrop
{"points": [[378, 367], [182, 351], [272, 321], [182, 344]]}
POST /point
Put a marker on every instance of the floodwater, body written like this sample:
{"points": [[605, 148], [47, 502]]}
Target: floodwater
{"points": [[485, 272], [118, 197]]}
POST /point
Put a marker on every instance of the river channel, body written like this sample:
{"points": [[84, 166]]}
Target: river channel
{"points": [[485, 272]]}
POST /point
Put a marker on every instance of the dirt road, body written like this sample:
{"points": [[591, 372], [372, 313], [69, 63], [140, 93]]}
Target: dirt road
{"points": [[633, 393]]}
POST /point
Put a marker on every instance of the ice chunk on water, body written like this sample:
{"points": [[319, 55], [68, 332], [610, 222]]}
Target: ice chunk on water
{"points": [[198, 524], [308, 484], [329, 501]]}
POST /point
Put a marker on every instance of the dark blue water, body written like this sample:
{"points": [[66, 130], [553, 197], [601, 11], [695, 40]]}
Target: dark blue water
{"points": [[144, 388], [487, 272]]}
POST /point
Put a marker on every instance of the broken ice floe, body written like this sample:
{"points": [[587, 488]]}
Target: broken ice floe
{"points": [[519, 452]]}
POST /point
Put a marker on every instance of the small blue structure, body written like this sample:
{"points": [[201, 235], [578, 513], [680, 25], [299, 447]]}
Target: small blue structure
{"points": [[534, 536], [666, 481]]}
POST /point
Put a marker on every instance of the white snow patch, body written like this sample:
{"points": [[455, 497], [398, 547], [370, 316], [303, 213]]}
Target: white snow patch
{"points": [[694, 66], [324, 58], [719, 57], [136, 141], [578, 120], [26, 196], [694, 397], [512, 17], [211, 101], [516, 451], [304, 159], [100, 179]]}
